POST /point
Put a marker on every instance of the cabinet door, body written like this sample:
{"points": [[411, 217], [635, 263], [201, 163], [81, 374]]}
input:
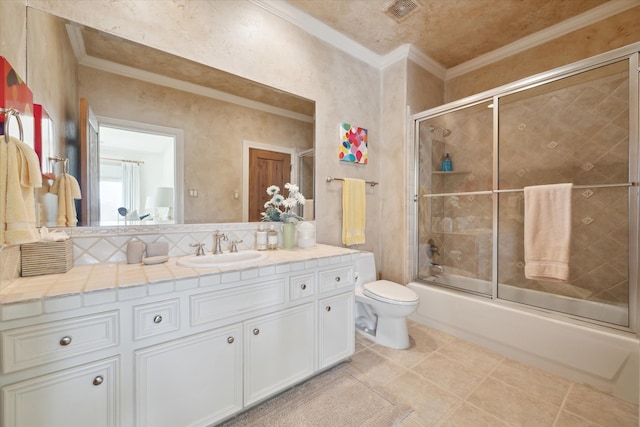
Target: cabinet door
{"points": [[193, 381], [337, 339], [279, 350], [83, 396]]}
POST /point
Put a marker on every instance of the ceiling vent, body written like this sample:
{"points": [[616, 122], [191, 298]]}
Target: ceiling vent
{"points": [[400, 10]]}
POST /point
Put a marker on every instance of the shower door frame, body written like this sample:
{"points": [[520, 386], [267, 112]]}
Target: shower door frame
{"points": [[629, 53]]}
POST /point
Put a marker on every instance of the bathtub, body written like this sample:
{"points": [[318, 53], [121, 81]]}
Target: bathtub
{"points": [[606, 359]]}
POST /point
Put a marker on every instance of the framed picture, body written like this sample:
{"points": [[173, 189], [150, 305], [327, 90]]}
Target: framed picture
{"points": [[353, 144]]}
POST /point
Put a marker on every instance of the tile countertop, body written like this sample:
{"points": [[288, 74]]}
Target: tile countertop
{"points": [[93, 284]]}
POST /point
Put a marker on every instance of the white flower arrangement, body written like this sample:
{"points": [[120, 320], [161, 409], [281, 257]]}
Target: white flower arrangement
{"points": [[280, 208]]}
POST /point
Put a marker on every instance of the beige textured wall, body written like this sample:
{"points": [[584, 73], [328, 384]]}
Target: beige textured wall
{"points": [[242, 38], [13, 38], [616, 31], [393, 239], [213, 135], [57, 88]]}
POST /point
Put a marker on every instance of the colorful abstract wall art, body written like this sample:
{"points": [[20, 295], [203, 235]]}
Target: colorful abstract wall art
{"points": [[353, 144]]}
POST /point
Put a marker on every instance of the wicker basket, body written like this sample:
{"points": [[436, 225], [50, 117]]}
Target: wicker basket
{"points": [[46, 258]]}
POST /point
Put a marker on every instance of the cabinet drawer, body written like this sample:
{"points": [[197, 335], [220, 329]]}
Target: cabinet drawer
{"points": [[336, 278], [302, 286], [156, 318], [221, 304], [39, 344]]}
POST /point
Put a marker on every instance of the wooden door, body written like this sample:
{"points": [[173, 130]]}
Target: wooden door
{"points": [[89, 165], [266, 168]]}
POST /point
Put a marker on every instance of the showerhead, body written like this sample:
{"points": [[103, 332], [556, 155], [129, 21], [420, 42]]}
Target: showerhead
{"points": [[445, 132]]}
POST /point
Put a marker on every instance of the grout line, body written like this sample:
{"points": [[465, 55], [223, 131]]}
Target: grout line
{"points": [[564, 400]]}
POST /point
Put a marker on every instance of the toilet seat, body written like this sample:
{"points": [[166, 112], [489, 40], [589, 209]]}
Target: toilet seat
{"points": [[390, 292]]}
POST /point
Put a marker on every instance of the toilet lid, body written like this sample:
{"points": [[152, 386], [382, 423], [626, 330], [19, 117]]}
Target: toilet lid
{"points": [[384, 290]]}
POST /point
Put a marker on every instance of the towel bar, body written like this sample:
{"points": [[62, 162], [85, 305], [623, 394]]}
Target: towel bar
{"points": [[11, 112], [371, 183]]}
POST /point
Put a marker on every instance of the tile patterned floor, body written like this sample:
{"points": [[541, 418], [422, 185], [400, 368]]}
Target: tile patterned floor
{"points": [[452, 383]]}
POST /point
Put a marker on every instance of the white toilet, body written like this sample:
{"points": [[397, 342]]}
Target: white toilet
{"points": [[382, 306]]}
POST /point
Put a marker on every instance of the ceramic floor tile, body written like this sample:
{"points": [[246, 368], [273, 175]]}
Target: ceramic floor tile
{"points": [[534, 381], [601, 408], [408, 357], [429, 338], [567, 419], [362, 343], [429, 402], [467, 415], [471, 356], [372, 368], [449, 374], [513, 405]]}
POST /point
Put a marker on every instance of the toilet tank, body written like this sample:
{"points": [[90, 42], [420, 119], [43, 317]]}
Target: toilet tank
{"points": [[365, 268]]}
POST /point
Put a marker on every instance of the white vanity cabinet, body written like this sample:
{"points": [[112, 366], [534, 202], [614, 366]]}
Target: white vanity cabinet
{"points": [[83, 396], [193, 381], [279, 351], [194, 353], [335, 328]]}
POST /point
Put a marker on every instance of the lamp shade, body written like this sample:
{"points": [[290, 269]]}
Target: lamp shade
{"points": [[164, 197]]}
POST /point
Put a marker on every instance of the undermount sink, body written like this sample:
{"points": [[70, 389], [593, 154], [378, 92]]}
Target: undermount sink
{"points": [[222, 260]]}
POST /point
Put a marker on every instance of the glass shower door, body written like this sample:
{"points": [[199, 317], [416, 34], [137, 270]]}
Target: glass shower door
{"points": [[455, 207], [573, 130]]}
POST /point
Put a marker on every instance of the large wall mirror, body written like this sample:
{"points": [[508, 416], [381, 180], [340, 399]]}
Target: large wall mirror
{"points": [[172, 137]]}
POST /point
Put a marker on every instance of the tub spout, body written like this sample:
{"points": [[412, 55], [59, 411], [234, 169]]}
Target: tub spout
{"points": [[434, 266]]}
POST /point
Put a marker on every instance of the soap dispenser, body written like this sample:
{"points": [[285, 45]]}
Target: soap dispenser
{"points": [[272, 238], [261, 239], [447, 164]]}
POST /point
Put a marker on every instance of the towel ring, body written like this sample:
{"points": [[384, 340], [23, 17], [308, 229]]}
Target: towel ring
{"points": [[8, 113]]}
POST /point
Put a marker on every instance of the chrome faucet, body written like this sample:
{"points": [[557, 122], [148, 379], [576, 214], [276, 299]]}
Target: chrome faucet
{"points": [[234, 245], [432, 249], [217, 237], [200, 248]]}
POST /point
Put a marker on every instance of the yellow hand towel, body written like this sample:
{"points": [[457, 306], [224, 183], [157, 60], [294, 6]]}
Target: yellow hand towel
{"points": [[19, 176], [354, 212], [547, 232]]}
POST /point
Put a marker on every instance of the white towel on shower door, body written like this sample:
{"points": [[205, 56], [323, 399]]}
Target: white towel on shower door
{"points": [[547, 232]]}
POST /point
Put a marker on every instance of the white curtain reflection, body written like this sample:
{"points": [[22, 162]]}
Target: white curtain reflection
{"points": [[131, 186]]}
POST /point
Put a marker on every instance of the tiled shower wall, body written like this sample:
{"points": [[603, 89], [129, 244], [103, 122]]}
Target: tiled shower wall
{"points": [[574, 130]]}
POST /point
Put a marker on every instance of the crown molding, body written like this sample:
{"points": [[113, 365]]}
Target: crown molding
{"points": [[77, 43], [338, 40], [587, 18], [320, 30]]}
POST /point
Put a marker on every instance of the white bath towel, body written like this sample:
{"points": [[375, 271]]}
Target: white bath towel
{"points": [[547, 232], [67, 189], [20, 175]]}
